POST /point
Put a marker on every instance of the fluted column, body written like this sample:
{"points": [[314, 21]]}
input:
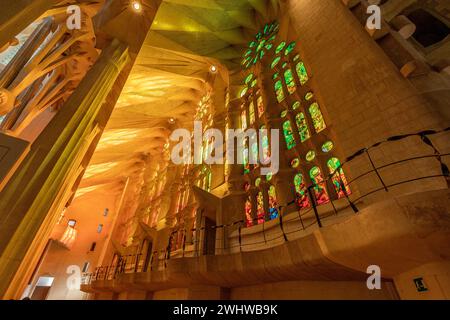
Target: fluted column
{"points": [[38, 183], [17, 15]]}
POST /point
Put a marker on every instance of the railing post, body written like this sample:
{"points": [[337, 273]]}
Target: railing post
{"points": [[240, 237], [281, 223], [376, 171], [344, 189], [313, 203], [444, 167], [184, 242]]}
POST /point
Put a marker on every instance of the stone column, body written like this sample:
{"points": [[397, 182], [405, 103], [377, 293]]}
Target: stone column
{"points": [[37, 184], [17, 15]]}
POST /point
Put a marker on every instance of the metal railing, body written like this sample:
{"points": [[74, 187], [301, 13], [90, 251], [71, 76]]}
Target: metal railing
{"points": [[304, 219]]}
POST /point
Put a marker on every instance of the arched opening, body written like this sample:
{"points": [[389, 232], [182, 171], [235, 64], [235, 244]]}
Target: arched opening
{"points": [[430, 30]]}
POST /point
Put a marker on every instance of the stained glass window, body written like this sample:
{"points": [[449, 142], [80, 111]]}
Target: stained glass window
{"points": [[248, 213], [338, 177], [302, 73], [283, 114], [206, 147], [265, 148], [243, 120], [260, 105], [273, 211], [258, 47], [288, 135], [243, 92], [254, 83], [275, 62], [320, 190], [260, 207], [251, 112], [289, 48], [302, 126], [317, 117], [309, 96], [249, 78], [295, 163], [327, 146], [255, 152], [290, 82], [257, 182], [280, 47], [245, 158], [295, 105], [310, 156], [301, 195], [279, 91]]}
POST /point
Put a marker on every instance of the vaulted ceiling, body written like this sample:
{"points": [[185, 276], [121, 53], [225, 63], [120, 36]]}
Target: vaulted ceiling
{"points": [[170, 75]]}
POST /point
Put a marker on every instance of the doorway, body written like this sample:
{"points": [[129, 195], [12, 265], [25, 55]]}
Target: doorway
{"points": [[42, 288], [209, 247]]}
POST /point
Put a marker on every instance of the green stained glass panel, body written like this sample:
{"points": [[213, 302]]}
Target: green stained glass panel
{"points": [[288, 135], [261, 45], [261, 54], [255, 152], [275, 62], [265, 148], [301, 191], [290, 81], [317, 117], [296, 105], [302, 126], [251, 110], [310, 156], [243, 92], [249, 78], [279, 91], [295, 163], [334, 167], [243, 120], [280, 47], [260, 105], [289, 48], [309, 96], [302, 73], [327, 146], [246, 164], [260, 207], [320, 191]]}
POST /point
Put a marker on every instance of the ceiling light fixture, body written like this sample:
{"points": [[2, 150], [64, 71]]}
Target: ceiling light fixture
{"points": [[213, 69], [136, 6], [171, 120]]}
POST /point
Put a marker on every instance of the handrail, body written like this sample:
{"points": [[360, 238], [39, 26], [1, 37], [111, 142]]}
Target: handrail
{"points": [[352, 204]]}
